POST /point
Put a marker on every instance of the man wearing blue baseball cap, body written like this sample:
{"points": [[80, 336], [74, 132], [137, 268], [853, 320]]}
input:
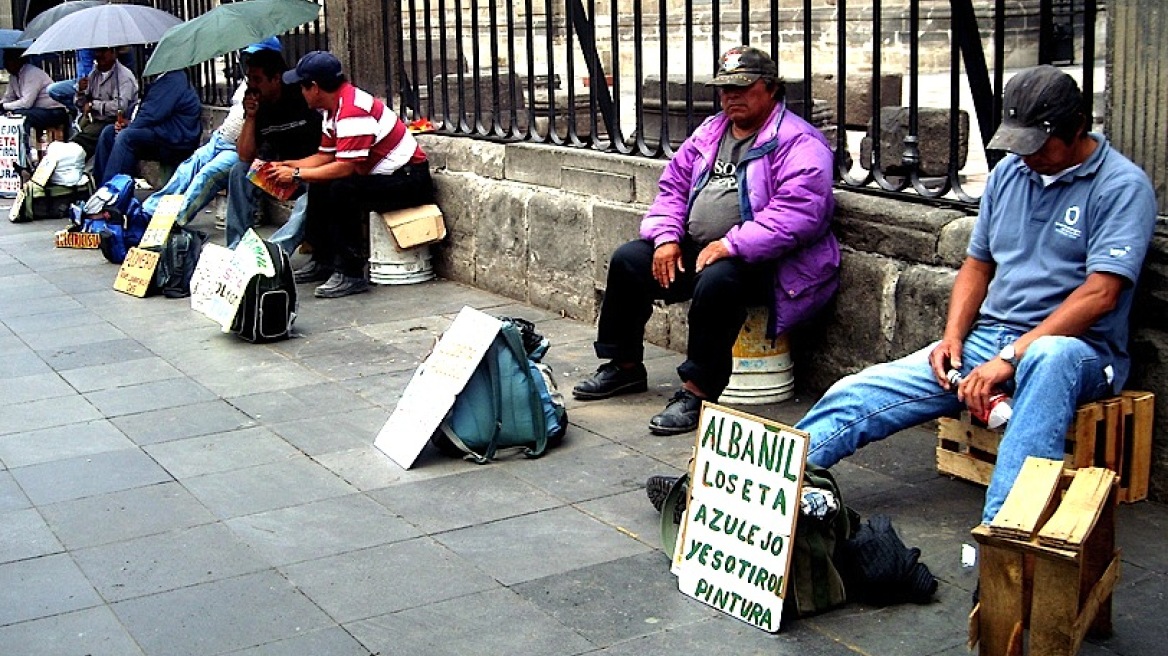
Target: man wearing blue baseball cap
{"points": [[367, 161], [202, 175]]}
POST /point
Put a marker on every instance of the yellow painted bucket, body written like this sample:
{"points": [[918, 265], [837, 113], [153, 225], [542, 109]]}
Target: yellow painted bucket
{"points": [[763, 371]]}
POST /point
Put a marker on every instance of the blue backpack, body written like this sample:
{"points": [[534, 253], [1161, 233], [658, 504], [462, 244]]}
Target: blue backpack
{"points": [[511, 400], [114, 213]]}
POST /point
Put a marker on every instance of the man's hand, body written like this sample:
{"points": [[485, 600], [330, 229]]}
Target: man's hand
{"points": [[945, 356], [713, 252], [251, 103], [86, 108], [981, 383], [280, 173], [666, 263], [83, 85]]}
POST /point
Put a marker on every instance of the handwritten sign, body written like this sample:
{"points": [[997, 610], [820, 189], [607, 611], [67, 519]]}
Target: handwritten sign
{"points": [[158, 231], [734, 551], [17, 206], [12, 136], [74, 239], [137, 271], [430, 393], [222, 276]]}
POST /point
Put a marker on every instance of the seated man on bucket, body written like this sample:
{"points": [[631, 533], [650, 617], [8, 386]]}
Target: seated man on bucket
{"points": [[742, 218], [1040, 306]]}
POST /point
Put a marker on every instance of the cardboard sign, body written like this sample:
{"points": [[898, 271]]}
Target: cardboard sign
{"points": [[74, 239], [222, 275], [12, 136], [430, 393], [734, 549], [44, 171], [158, 231], [137, 271], [17, 205]]}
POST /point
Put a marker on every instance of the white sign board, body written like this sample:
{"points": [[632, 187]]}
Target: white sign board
{"points": [[12, 138], [734, 549], [430, 393], [222, 275]]}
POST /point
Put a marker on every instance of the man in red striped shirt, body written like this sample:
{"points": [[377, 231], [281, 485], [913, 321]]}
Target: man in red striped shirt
{"points": [[368, 161]]}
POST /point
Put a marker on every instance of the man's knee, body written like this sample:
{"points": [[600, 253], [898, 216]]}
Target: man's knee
{"points": [[631, 254], [1056, 351]]}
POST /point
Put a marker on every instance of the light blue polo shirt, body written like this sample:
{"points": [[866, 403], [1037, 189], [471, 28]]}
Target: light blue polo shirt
{"points": [[1044, 241]]}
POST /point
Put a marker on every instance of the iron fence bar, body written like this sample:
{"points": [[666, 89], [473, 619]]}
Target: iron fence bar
{"points": [[460, 77], [1045, 31], [911, 158], [476, 71], [968, 38], [689, 67], [529, 43], [442, 52], [1090, 14], [842, 155], [807, 92], [639, 80], [496, 97], [573, 10], [664, 145], [549, 15], [513, 79], [427, 28], [884, 181], [955, 51]]}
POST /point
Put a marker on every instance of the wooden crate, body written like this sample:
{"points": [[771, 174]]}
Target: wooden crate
{"points": [[1115, 433]]}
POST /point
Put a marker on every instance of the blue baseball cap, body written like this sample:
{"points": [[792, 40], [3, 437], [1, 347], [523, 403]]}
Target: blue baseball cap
{"points": [[316, 66], [270, 43]]}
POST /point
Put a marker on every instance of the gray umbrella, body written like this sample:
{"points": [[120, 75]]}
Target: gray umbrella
{"points": [[105, 26], [48, 17]]}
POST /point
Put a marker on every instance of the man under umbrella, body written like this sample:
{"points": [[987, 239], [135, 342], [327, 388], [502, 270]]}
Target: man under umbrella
{"points": [[108, 91]]}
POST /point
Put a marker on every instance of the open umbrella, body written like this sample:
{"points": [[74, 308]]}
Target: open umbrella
{"points": [[48, 17], [226, 28], [8, 38], [105, 26]]}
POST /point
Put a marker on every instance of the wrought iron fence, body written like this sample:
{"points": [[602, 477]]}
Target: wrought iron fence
{"points": [[907, 91]]}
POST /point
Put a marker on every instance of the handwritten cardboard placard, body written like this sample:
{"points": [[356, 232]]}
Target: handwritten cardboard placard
{"points": [[158, 230], [12, 138], [222, 275], [734, 550], [75, 239], [430, 393], [137, 271]]}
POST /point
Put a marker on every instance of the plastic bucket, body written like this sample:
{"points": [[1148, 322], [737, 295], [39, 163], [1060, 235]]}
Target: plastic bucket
{"points": [[391, 265], [763, 371]]}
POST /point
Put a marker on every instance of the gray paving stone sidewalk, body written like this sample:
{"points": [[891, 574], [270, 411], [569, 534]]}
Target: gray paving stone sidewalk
{"points": [[166, 490]]}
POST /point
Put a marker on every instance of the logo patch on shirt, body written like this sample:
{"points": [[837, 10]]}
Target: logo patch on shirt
{"points": [[1066, 227], [1119, 252]]}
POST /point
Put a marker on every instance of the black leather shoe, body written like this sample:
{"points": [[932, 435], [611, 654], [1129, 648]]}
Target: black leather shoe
{"points": [[611, 380], [679, 416]]}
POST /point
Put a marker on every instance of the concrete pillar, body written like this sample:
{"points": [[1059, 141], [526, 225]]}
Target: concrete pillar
{"points": [[1137, 89], [357, 36]]}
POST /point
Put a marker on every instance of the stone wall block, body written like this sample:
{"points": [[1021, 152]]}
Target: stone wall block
{"points": [[657, 328], [892, 228], [856, 329], [612, 225], [438, 149], [954, 240], [459, 196], [559, 250], [678, 314], [501, 239], [615, 187], [483, 158], [534, 164], [922, 303]]}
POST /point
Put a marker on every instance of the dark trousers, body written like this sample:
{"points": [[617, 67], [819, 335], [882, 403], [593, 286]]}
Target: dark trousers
{"points": [[339, 209], [42, 118], [719, 297], [119, 151]]}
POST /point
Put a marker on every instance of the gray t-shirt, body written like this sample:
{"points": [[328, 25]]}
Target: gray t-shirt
{"points": [[716, 210]]}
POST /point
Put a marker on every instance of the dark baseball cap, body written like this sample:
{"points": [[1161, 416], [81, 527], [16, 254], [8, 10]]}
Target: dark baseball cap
{"points": [[1035, 101], [316, 66], [741, 66]]}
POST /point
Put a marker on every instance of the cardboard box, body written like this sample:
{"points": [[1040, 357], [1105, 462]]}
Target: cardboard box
{"points": [[415, 226]]}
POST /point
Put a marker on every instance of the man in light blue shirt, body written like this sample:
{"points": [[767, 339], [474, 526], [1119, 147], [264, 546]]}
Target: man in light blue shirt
{"points": [[1040, 306]]}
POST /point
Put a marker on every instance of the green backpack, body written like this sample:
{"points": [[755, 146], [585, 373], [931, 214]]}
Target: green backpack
{"points": [[510, 401], [815, 584]]}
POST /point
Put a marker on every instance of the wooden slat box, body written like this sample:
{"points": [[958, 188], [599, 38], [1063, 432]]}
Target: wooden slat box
{"points": [[1114, 432]]}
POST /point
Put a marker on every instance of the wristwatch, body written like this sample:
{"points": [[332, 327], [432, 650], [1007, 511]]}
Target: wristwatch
{"points": [[1009, 356], [296, 174]]}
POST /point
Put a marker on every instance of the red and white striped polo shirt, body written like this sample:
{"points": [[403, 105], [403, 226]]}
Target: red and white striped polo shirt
{"points": [[362, 130]]}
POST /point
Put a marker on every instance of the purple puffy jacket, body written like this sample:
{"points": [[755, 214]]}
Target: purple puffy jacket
{"points": [[786, 179]]}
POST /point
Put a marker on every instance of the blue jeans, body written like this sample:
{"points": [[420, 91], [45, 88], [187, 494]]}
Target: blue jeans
{"points": [[1055, 376], [198, 178], [64, 92], [243, 204], [289, 236]]}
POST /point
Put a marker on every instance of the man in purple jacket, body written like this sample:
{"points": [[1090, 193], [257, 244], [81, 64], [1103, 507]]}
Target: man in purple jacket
{"points": [[742, 218]]}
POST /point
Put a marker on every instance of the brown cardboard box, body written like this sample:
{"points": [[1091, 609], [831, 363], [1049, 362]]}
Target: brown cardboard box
{"points": [[415, 226]]}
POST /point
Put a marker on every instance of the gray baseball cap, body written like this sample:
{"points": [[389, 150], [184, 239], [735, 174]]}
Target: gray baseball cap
{"points": [[741, 66], [1034, 102]]}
